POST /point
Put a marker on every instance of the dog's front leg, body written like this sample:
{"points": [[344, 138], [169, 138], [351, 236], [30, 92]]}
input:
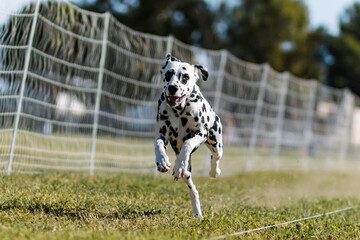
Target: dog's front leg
{"points": [[162, 160], [182, 161]]}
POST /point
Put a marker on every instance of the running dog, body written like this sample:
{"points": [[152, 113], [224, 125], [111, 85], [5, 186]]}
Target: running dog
{"points": [[185, 119]]}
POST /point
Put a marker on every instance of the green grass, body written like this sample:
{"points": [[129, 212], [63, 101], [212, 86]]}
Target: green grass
{"points": [[134, 206]]}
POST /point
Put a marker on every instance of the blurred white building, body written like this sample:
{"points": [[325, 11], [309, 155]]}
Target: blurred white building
{"points": [[355, 139]]}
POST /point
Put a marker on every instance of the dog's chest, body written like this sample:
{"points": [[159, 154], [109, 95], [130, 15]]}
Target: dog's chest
{"points": [[182, 127]]}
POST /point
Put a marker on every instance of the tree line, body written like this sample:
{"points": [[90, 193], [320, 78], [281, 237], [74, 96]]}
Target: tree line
{"points": [[273, 31]]}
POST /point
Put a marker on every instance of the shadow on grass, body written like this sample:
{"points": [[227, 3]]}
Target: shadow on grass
{"points": [[60, 209]]}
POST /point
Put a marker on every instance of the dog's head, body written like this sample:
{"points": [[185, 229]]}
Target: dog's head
{"points": [[179, 78]]}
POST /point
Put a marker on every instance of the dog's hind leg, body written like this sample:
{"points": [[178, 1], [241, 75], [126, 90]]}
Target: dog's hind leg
{"points": [[215, 170], [194, 194], [215, 145]]}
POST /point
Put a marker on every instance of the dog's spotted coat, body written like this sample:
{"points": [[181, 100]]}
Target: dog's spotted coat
{"points": [[186, 120]]}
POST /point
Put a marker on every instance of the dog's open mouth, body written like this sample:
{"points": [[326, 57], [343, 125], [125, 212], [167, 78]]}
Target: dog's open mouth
{"points": [[173, 100]]}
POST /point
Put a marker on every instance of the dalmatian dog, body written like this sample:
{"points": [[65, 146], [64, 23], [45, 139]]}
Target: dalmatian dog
{"points": [[186, 120]]}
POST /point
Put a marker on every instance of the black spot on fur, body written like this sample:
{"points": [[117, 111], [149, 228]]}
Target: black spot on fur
{"points": [[168, 123], [212, 137], [163, 117], [208, 118], [188, 136], [165, 64], [184, 121], [174, 59], [203, 108], [173, 144], [180, 109], [169, 74], [215, 127], [196, 119], [195, 148], [162, 98], [203, 70], [174, 132], [163, 130]]}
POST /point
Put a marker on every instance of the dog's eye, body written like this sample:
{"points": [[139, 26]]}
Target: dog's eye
{"points": [[185, 78]]}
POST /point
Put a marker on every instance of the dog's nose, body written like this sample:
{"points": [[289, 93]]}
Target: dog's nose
{"points": [[172, 89]]}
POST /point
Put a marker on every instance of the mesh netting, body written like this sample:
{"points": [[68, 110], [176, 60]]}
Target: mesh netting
{"points": [[79, 90]]}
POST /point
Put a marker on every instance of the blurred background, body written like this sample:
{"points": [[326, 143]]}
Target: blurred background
{"points": [[79, 80], [311, 39], [298, 36]]}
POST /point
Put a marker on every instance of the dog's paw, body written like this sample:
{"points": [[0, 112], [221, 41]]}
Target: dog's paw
{"points": [[163, 164], [199, 216], [180, 172]]}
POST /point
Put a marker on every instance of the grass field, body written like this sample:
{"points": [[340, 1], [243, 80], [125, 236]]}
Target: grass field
{"points": [[128, 206]]}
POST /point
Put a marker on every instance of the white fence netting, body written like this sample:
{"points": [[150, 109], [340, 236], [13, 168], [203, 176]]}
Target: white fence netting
{"points": [[79, 90]]}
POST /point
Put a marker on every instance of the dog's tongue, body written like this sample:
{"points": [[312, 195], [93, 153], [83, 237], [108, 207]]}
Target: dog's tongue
{"points": [[173, 98]]}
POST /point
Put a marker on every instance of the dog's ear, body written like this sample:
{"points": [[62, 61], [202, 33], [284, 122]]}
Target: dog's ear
{"points": [[168, 59], [203, 71], [172, 58]]}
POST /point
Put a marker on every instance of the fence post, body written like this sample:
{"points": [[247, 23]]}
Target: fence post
{"points": [[22, 87], [169, 44], [308, 131], [346, 131], [220, 80], [257, 116], [280, 118], [99, 90]]}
